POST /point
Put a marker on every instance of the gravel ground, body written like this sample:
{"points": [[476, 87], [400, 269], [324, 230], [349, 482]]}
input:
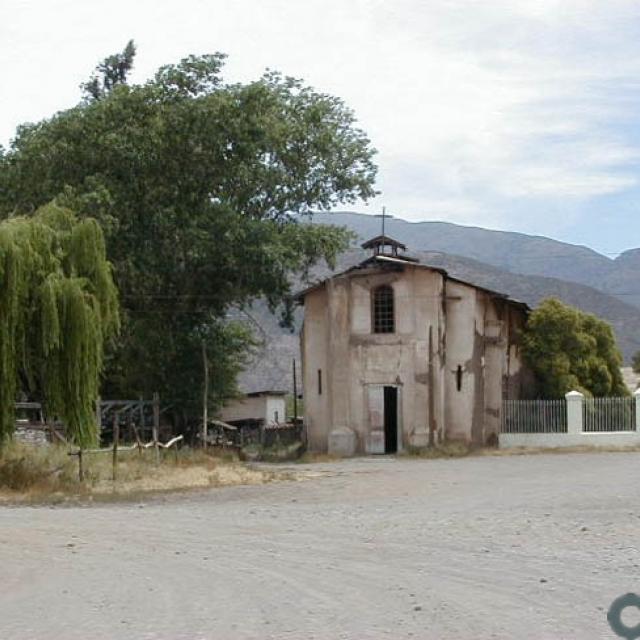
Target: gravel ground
{"points": [[489, 547]]}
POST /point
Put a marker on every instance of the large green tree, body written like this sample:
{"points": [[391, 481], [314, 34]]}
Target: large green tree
{"points": [[58, 308], [568, 349], [198, 185]]}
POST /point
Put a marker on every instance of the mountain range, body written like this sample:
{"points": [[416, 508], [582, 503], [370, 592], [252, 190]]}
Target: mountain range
{"points": [[512, 252], [527, 268]]}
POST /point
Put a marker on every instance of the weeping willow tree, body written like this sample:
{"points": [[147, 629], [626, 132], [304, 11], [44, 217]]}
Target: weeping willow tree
{"points": [[58, 308]]}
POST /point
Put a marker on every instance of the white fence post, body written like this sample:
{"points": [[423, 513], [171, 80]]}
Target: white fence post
{"points": [[575, 401], [636, 395]]}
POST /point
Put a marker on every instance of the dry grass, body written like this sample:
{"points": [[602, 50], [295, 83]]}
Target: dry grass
{"points": [[43, 474], [48, 474], [450, 449]]}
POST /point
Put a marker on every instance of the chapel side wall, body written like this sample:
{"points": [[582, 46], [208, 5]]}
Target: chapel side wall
{"points": [[338, 362], [520, 382], [315, 351], [483, 337], [462, 349], [506, 375], [428, 334], [359, 325], [442, 362], [496, 346]]}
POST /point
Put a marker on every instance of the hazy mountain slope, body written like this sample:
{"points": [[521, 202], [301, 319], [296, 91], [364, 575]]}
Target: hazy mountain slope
{"points": [[624, 279], [624, 317], [515, 252], [271, 367]]}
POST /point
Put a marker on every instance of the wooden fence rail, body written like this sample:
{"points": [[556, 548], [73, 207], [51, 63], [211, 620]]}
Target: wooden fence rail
{"points": [[115, 450]]}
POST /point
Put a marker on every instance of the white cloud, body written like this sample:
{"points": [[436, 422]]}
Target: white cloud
{"points": [[475, 107]]}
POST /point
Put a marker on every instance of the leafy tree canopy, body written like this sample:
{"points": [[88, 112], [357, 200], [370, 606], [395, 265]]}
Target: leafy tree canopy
{"points": [[112, 71], [569, 350], [58, 307], [195, 183]]}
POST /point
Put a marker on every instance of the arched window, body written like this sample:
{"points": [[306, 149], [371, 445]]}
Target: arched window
{"points": [[383, 310]]}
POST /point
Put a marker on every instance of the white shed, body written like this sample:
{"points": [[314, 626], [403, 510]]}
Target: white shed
{"points": [[267, 406]]}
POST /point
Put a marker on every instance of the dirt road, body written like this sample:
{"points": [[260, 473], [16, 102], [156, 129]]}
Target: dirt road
{"points": [[490, 547]]}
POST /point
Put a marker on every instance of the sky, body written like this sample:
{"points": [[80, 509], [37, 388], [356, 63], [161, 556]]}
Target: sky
{"points": [[521, 115]]}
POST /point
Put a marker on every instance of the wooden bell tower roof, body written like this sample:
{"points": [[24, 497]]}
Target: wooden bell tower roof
{"points": [[378, 244]]}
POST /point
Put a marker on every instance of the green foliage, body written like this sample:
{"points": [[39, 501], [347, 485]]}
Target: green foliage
{"points": [[568, 349], [58, 306], [195, 183], [635, 362], [109, 73], [172, 339]]}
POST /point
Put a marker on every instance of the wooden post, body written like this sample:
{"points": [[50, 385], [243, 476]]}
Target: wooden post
{"points": [[205, 397], [80, 467], [156, 425], [295, 395], [98, 413], [137, 437], [130, 424], [140, 436], [116, 438]]}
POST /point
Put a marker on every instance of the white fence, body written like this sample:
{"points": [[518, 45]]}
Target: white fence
{"points": [[534, 416], [609, 414], [574, 421]]}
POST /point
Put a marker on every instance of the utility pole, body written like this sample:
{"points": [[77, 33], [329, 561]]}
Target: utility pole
{"points": [[205, 397], [295, 395], [431, 392], [116, 440], [156, 425]]}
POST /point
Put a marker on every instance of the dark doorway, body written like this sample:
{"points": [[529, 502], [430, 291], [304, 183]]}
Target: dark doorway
{"points": [[390, 419]]}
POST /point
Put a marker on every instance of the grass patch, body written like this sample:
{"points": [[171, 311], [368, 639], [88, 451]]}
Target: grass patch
{"points": [[32, 473]]}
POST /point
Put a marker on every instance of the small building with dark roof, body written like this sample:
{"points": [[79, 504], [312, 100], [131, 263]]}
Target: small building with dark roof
{"points": [[398, 354]]}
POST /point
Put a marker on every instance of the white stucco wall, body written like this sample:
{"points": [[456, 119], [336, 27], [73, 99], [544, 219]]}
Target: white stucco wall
{"points": [[460, 337], [560, 440], [314, 351], [255, 408]]}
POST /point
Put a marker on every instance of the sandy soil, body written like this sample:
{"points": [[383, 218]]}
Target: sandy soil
{"points": [[487, 547]]}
